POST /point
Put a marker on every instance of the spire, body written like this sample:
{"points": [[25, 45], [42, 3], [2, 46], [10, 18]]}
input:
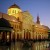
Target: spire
{"points": [[38, 21]]}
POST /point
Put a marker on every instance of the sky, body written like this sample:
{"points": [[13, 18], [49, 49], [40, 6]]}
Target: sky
{"points": [[35, 7]]}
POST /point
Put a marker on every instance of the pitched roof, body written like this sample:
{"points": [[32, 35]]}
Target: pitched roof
{"points": [[14, 6]]}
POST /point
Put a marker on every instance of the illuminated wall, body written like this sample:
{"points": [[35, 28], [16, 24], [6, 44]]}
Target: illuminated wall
{"points": [[14, 11], [40, 32]]}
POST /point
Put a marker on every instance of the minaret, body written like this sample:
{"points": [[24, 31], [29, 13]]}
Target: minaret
{"points": [[38, 21]]}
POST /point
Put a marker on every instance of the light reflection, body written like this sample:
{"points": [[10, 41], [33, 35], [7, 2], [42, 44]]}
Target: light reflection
{"points": [[18, 46], [7, 36]]}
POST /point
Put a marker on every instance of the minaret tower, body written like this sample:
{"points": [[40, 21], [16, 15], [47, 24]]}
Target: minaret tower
{"points": [[38, 21]]}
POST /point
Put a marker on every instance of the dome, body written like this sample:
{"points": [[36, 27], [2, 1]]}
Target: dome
{"points": [[4, 23], [14, 6]]}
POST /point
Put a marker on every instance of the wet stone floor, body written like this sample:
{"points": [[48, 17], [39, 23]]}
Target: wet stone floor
{"points": [[43, 45]]}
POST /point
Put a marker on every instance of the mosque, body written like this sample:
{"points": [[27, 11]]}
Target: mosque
{"points": [[18, 24]]}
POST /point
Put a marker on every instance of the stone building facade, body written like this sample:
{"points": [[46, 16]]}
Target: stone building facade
{"points": [[22, 25]]}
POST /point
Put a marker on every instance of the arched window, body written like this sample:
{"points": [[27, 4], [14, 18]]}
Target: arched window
{"points": [[17, 36], [24, 34], [14, 11], [39, 36], [29, 35]]}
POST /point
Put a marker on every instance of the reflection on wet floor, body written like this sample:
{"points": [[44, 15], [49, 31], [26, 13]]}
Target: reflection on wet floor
{"points": [[44, 45]]}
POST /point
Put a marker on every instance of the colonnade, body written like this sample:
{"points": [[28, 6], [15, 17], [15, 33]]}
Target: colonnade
{"points": [[5, 36]]}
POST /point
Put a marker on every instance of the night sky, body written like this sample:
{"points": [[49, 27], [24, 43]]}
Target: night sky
{"points": [[41, 7]]}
